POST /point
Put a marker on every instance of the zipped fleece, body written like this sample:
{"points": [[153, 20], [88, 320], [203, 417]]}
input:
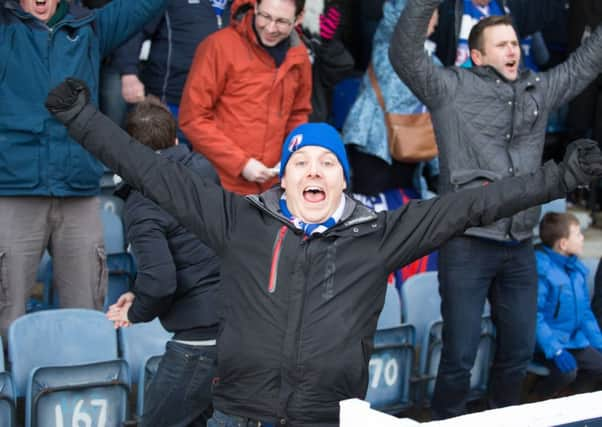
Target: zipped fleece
{"points": [[290, 349], [237, 105], [487, 128], [37, 158]]}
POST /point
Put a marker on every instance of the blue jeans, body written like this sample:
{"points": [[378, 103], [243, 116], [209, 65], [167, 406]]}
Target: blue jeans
{"points": [[219, 419], [180, 392], [470, 271]]}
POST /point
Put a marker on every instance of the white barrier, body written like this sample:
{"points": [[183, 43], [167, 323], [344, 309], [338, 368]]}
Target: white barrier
{"points": [[357, 413]]}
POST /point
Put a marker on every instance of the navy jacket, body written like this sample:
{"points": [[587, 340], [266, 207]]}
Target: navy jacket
{"points": [[37, 158], [178, 275], [174, 36]]}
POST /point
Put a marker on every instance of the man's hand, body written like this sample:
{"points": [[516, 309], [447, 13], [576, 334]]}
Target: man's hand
{"points": [[132, 89], [118, 312], [255, 171], [582, 163], [68, 99]]}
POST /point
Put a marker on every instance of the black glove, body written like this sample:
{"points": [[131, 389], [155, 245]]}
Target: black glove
{"points": [[582, 163], [67, 100]]}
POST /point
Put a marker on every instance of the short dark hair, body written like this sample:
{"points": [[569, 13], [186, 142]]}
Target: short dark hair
{"points": [[475, 38], [152, 124], [555, 226], [299, 6]]}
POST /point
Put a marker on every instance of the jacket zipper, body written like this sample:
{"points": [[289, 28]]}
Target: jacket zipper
{"points": [[275, 259]]}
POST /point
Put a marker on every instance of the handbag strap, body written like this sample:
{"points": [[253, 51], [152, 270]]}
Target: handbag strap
{"points": [[376, 87]]}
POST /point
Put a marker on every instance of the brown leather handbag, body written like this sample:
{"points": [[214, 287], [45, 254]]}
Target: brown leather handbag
{"points": [[411, 137]]}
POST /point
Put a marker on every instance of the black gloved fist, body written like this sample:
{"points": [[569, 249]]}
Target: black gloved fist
{"points": [[68, 99], [582, 163]]}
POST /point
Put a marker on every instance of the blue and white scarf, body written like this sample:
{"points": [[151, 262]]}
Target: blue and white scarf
{"points": [[309, 228]]}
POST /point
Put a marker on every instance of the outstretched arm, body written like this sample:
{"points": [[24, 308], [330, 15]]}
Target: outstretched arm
{"points": [[430, 83], [421, 226], [568, 79], [197, 203]]}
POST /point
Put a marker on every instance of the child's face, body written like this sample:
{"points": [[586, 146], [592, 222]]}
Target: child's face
{"points": [[573, 245]]}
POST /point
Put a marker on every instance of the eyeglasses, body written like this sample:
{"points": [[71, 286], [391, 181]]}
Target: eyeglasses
{"points": [[281, 23]]}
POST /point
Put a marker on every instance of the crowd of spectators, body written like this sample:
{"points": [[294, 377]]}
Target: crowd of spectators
{"points": [[217, 86]]}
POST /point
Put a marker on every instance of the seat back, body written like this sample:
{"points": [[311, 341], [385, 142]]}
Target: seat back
{"points": [[94, 394], [141, 340], [147, 371], [57, 338], [420, 302], [391, 369], [112, 204], [7, 400], [430, 357], [592, 265], [122, 273], [112, 232], [390, 316]]}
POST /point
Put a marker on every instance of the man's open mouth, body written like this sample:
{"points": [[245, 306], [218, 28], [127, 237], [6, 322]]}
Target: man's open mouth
{"points": [[314, 194]]}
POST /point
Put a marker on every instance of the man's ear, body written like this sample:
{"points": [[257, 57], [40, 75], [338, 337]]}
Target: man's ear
{"points": [[476, 56], [177, 141], [299, 18]]}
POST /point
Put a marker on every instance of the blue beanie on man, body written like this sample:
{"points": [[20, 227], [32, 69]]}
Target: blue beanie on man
{"points": [[319, 134]]}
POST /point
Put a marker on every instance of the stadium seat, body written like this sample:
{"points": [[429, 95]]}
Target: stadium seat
{"points": [[94, 394], [141, 340], [112, 204], [147, 372], [420, 302], [58, 337], [7, 400], [421, 307], [390, 315], [391, 369], [7, 394], [592, 265], [430, 356]]}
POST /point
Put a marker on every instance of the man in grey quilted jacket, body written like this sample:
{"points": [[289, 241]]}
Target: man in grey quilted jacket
{"points": [[490, 121]]}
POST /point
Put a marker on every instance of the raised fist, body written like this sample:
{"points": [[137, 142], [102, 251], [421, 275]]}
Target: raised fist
{"points": [[67, 100]]}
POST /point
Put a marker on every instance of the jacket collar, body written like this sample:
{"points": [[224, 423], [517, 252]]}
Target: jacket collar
{"points": [[568, 262], [353, 214], [487, 71]]}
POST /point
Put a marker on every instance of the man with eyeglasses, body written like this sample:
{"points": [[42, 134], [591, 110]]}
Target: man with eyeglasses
{"points": [[249, 86]]}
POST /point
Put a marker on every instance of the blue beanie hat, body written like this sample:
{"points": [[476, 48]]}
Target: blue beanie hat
{"points": [[319, 134]]}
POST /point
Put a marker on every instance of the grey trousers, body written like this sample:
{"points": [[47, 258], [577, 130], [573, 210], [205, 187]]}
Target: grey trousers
{"points": [[71, 229]]}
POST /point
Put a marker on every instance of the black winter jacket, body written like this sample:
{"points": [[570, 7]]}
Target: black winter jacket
{"points": [[300, 313], [487, 127], [178, 275]]}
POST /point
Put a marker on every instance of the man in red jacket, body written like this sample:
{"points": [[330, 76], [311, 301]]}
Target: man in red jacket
{"points": [[249, 85]]}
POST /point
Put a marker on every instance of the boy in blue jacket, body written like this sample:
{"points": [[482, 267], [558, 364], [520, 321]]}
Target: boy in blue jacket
{"points": [[568, 335]]}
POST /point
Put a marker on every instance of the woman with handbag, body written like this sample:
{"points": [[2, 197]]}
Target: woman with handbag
{"points": [[370, 130]]}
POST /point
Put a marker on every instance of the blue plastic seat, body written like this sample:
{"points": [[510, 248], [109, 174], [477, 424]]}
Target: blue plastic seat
{"points": [[390, 316], [391, 369], [8, 394], [94, 394], [141, 340], [148, 369], [421, 307], [7, 400], [58, 337]]}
